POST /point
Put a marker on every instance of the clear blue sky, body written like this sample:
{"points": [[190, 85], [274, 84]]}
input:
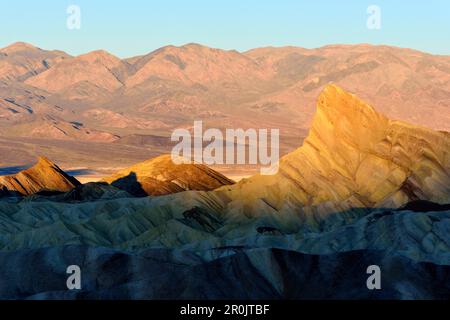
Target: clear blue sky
{"points": [[133, 27]]}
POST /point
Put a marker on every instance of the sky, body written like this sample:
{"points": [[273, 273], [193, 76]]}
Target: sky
{"points": [[134, 27]]}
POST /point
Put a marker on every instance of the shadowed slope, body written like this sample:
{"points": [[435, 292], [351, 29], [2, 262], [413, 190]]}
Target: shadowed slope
{"points": [[256, 274]]}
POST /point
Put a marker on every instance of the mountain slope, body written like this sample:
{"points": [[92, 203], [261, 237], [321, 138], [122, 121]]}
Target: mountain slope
{"points": [[161, 176], [44, 176], [194, 63], [99, 69], [353, 157], [21, 61]]}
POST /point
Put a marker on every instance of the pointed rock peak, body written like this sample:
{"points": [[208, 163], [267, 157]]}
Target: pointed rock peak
{"points": [[48, 167], [343, 103], [44, 176], [344, 121], [342, 116], [355, 157], [45, 162]]}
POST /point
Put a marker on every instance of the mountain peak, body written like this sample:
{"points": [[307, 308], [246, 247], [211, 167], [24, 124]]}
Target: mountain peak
{"points": [[195, 45], [18, 46], [100, 68], [342, 117], [161, 176], [355, 157], [45, 162], [344, 102], [44, 176], [100, 55]]}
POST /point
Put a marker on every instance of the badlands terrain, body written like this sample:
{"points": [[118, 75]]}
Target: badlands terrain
{"points": [[96, 113], [361, 190]]}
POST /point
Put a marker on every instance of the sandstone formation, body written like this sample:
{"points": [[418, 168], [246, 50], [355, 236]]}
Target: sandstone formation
{"points": [[353, 157], [45, 176], [160, 176]]}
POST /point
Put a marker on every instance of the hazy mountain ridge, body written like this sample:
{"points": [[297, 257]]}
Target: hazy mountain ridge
{"points": [[268, 87], [21, 61]]}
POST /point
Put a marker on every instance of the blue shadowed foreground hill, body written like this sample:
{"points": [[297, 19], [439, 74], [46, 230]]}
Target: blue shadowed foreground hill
{"points": [[245, 274], [363, 190]]}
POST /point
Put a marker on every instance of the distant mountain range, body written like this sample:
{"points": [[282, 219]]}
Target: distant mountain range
{"points": [[99, 98]]}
